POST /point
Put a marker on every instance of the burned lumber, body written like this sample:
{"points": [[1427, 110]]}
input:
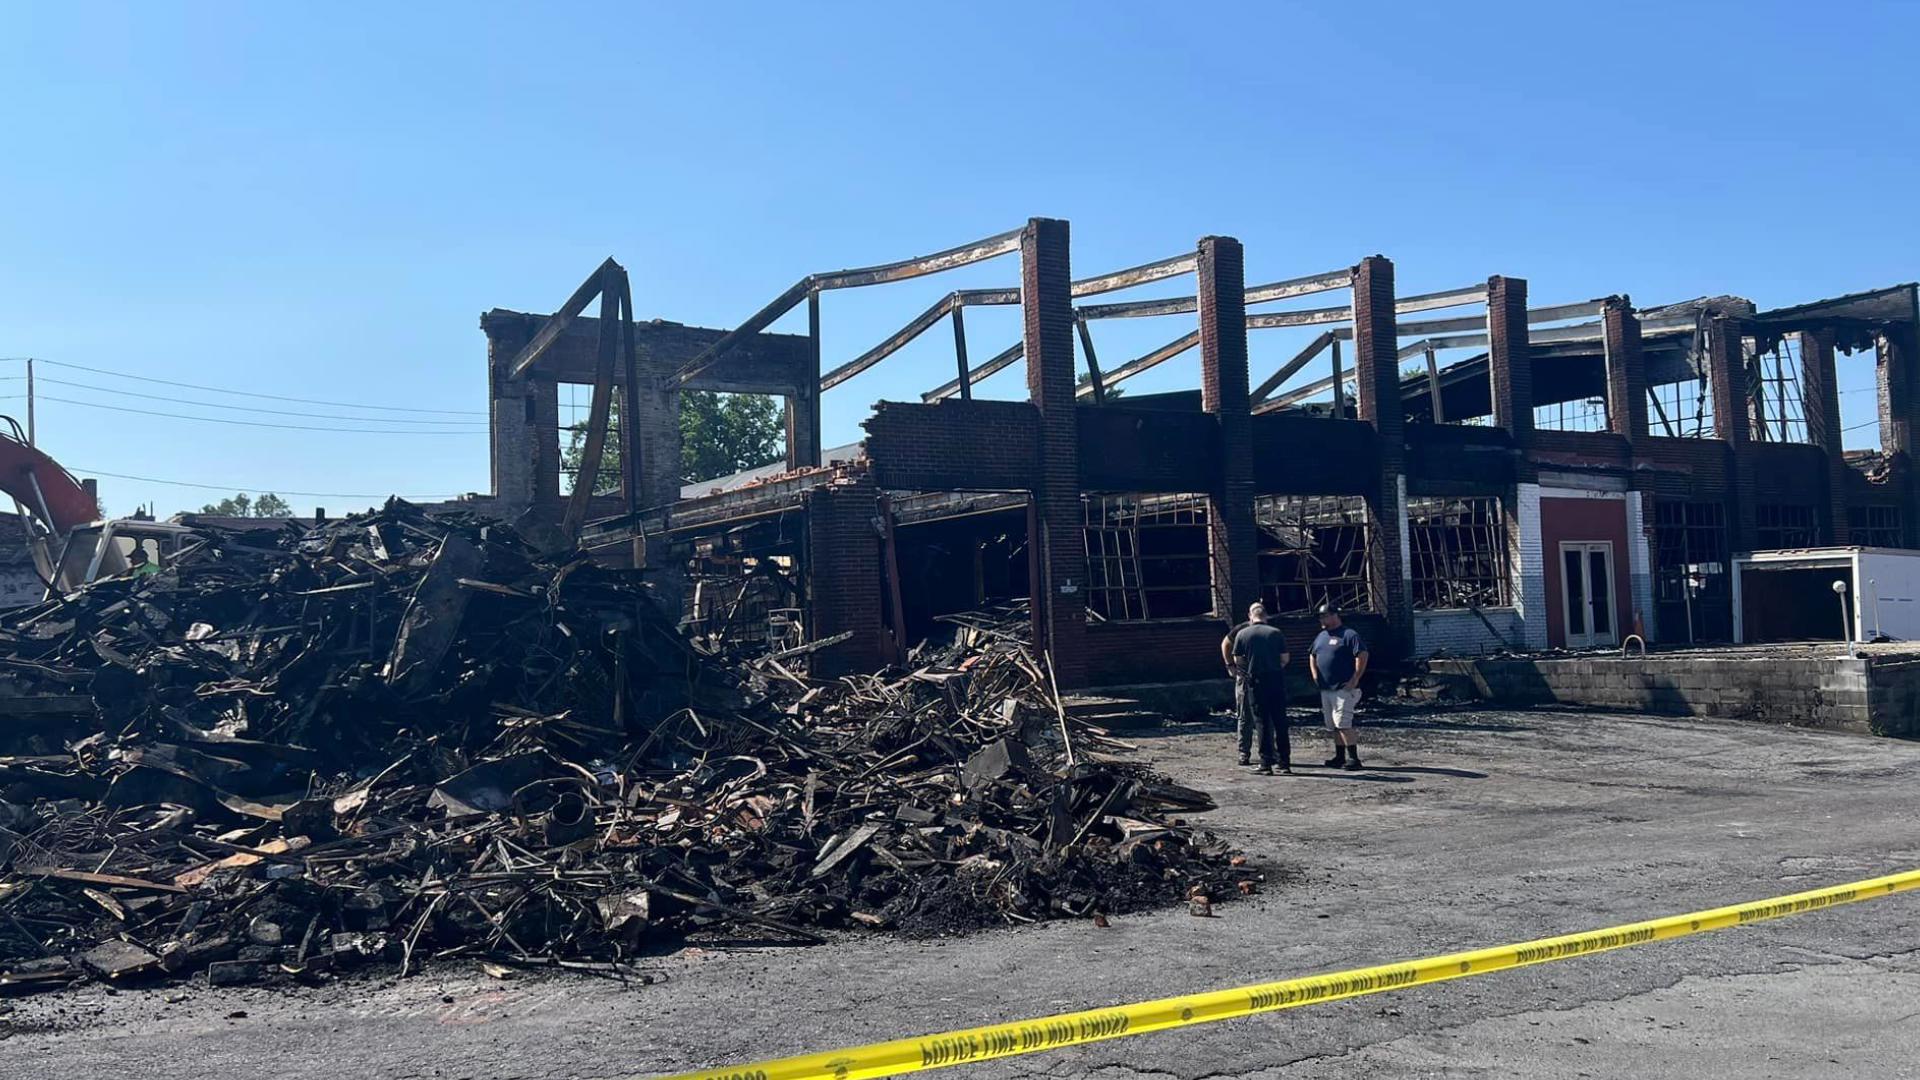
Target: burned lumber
{"points": [[411, 738]]}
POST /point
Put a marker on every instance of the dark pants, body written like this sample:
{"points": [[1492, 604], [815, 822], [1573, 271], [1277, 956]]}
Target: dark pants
{"points": [[1263, 711]]}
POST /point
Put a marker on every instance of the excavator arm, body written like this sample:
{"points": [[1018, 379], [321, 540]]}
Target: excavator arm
{"points": [[37, 482]]}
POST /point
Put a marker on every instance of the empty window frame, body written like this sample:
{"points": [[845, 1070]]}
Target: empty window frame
{"points": [[1875, 526], [1681, 410], [1314, 549], [1776, 401], [1459, 551], [1148, 557], [1784, 525], [1580, 414], [1688, 534], [575, 411]]}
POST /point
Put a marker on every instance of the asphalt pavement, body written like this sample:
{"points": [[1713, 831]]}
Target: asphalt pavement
{"points": [[1469, 828]]}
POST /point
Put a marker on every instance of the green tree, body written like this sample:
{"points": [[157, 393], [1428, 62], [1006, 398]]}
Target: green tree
{"points": [[725, 433], [240, 504], [719, 434]]}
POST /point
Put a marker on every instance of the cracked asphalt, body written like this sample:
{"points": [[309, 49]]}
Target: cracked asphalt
{"points": [[1469, 829]]}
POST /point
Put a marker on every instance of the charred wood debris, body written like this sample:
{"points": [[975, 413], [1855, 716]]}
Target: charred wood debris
{"points": [[402, 738]]}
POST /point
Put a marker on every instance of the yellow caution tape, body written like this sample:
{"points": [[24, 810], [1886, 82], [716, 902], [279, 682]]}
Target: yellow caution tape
{"points": [[1072, 1029]]}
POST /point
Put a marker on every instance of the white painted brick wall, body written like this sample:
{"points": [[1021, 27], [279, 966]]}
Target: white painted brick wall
{"points": [[1529, 570], [1461, 633], [1640, 565], [1400, 515]]}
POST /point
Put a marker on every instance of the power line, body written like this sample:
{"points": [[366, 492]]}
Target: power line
{"points": [[81, 469], [252, 408], [252, 423], [250, 393]]}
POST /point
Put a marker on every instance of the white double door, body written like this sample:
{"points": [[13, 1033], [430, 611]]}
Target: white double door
{"points": [[1586, 593]]}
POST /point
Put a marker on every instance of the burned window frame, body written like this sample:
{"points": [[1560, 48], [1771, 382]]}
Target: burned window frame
{"points": [[1773, 531], [570, 410], [1574, 414], [1863, 531], [1459, 556], [1776, 396], [1110, 551], [1331, 560], [1688, 533]]}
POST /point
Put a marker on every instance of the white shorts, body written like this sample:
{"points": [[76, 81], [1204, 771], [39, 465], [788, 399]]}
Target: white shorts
{"points": [[1336, 708]]}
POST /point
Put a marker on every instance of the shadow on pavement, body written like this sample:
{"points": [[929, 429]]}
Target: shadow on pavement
{"points": [[1464, 774]]}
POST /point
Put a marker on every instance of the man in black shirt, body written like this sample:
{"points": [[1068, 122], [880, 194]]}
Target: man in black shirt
{"points": [[1337, 661], [1260, 653]]}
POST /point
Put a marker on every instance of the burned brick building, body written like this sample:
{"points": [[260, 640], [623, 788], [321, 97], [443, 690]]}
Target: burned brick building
{"points": [[1580, 472]]}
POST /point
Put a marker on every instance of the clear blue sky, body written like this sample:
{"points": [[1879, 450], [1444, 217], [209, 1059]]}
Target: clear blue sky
{"points": [[318, 201]]}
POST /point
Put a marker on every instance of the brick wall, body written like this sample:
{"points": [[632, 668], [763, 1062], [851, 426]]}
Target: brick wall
{"points": [[1129, 449], [1345, 454], [1168, 650], [1458, 459], [959, 445]]}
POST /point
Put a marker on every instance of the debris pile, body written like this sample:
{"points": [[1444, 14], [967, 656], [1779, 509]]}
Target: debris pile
{"points": [[408, 737]]}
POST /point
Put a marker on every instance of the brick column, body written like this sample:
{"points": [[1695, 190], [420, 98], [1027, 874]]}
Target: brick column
{"points": [[1727, 372], [545, 394], [1627, 417], [513, 410], [1626, 370], [803, 404], [1897, 355], [1820, 404], [657, 435], [1059, 590], [1894, 364], [1376, 363], [1232, 536], [1509, 364], [843, 577]]}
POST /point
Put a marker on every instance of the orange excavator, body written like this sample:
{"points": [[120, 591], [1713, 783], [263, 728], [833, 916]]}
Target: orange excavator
{"points": [[37, 483], [71, 544]]}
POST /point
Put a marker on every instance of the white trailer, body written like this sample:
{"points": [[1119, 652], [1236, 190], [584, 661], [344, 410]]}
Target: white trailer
{"points": [[1789, 595]]}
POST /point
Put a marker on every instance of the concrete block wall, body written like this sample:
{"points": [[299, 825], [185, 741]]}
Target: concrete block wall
{"points": [[1826, 692], [1893, 697]]}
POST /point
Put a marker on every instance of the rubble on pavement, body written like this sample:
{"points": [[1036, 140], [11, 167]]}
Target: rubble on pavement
{"points": [[404, 737]]}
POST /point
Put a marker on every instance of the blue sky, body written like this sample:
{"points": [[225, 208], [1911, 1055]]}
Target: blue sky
{"points": [[318, 201]]}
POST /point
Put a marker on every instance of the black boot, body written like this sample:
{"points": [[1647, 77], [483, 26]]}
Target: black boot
{"points": [[1339, 756], [1353, 762]]}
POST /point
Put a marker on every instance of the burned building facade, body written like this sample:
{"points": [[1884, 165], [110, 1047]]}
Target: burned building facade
{"points": [[1584, 472]]}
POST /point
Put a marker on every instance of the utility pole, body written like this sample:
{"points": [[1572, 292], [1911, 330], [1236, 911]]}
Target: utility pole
{"points": [[30, 401]]}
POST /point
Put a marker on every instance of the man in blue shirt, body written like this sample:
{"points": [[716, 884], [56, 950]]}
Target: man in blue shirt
{"points": [[1337, 661]]}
